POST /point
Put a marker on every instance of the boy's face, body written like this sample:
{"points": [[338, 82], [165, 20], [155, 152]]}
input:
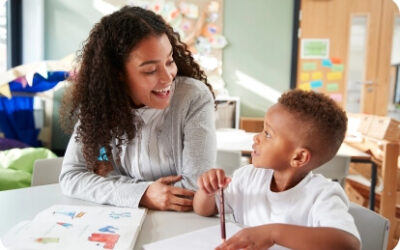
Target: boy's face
{"points": [[273, 147]]}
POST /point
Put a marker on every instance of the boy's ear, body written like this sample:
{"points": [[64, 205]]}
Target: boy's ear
{"points": [[301, 157]]}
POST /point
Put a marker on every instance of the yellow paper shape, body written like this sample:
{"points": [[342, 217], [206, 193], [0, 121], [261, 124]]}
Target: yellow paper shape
{"points": [[5, 90], [305, 86], [316, 75], [334, 76], [304, 76]]}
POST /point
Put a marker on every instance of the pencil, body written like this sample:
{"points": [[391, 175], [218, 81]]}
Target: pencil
{"points": [[222, 214]]}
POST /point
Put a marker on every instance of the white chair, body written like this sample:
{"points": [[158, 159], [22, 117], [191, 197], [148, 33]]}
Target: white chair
{"points": [[335, 169], [229, 161], [373, 227], [46, 171]]}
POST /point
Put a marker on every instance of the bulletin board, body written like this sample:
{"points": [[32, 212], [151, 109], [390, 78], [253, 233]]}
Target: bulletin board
{"points": [[319, 71]]}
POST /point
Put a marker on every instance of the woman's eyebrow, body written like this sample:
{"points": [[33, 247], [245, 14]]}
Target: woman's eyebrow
{"points": [[153, 61]]}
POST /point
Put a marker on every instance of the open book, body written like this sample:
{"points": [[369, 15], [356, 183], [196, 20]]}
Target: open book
{"points": [[78, 227]]}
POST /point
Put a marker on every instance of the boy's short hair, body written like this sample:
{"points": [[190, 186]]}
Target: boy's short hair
{"points": [[324, 121]]}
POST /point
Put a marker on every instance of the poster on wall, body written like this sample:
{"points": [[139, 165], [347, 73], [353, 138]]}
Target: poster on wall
{"points": [[314, 48]]}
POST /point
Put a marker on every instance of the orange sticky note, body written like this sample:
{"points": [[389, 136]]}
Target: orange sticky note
{"points": [[336, 60]]}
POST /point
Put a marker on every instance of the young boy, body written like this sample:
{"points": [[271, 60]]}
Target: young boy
{"points": [[278, 196]]}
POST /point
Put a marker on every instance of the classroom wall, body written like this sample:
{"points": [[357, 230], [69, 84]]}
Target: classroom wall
{"points": [[67, 25], [259, 34], [256, 64]]}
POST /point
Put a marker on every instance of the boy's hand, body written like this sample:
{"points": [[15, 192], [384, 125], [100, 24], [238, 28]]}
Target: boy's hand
{"points": [[249, 238], [212, 180]]}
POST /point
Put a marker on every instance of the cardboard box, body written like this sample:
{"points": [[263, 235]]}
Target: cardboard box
{"points": [[385, 128]]}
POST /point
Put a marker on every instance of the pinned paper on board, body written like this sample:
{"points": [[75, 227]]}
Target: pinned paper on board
{"points": [[316, 75], [337, 97], [334, 76], [309, 66], [304, 76], [314, 48], [316, 84], [337, 68], [332, 87], [336, 60], [326, 63], [305, 86]]}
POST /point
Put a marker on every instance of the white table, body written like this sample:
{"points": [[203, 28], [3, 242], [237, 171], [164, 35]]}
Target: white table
{"points": [[23, 204], [239, 140]]}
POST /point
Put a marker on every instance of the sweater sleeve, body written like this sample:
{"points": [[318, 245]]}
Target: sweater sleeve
{"points": [[78, 182], [199, 139]]}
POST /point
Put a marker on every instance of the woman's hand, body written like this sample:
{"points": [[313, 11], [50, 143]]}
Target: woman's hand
{"points": [[161, 196]]}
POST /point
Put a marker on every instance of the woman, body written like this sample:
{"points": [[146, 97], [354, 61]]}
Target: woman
{"points": [[146, 107]]}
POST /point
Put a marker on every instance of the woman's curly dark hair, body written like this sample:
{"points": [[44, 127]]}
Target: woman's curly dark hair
{"points": [[98, 97], [322, 119]]}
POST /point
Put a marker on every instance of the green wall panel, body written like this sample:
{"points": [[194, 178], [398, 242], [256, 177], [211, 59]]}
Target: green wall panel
{"points": [[259, 51]]}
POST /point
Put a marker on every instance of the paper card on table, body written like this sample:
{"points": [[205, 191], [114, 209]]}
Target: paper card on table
{"points": [[316, 75], [305, 86], [316, 84], [304, 76], [337, 97], [332, 87], [309, 66], [334, 76], [337, 67], [203, 239], [326, 63]]}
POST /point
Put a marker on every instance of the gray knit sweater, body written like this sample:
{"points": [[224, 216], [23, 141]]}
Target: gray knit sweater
{"points": [[184, 135]]}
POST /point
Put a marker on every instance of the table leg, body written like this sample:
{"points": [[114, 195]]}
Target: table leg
{"points": [[373, 181]]}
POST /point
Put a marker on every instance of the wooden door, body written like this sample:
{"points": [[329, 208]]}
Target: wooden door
{"points": [[344, 51]]}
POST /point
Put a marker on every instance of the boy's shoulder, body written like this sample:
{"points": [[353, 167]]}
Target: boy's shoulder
{"points": [[323, 187]]}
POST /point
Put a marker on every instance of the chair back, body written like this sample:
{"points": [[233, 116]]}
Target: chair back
{"points": [[335, 169], [373, 227], [46, 171]]}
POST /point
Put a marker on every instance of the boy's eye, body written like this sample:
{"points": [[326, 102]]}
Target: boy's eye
{"points": [[267, 134]]}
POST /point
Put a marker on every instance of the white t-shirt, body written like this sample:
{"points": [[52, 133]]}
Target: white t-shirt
{"points": [[313, 202]]}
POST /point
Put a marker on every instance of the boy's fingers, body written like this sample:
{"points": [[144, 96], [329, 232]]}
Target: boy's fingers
{"points": [[207, 186], [220, 177], [227, 181]]}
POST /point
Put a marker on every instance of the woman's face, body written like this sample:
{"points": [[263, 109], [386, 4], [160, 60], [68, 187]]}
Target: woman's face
{"points": [[150, 70]]}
